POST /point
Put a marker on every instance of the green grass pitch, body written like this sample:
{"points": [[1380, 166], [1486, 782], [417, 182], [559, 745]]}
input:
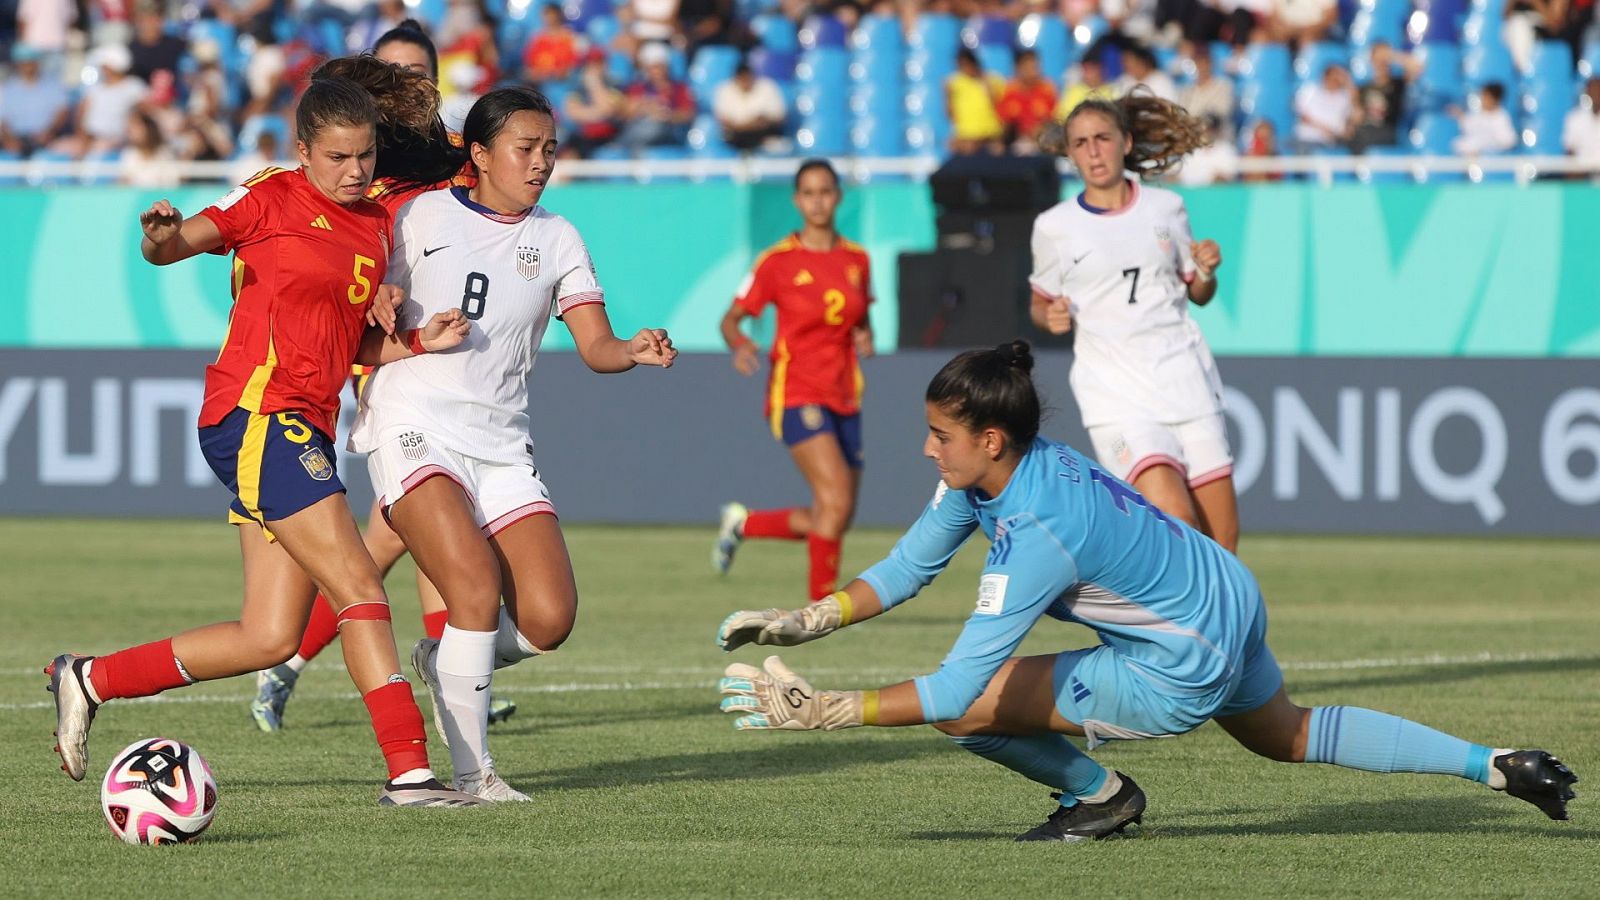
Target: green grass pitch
{"points": [[642, 789]]}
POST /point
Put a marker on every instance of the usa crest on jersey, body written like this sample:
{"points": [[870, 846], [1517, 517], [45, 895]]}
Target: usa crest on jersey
{"points": [[528, 262]]}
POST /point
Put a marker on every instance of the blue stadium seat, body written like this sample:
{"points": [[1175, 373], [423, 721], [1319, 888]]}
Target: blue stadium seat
{"points": [[879, 101], [776, 33], [511, 35], [1047, 37], [1088, 31], [823, 136], [745, 10], [1439, 84], [989, 31], [1266, 63], [713, 64], [925, 138], [1380, 20], [878, 34], [827, 68], [1551, 61], [1541, 133], [1314, 58], [936, 34], [997, 60], [1433, 134], [1438, 21], [878, 138], [925, 68], [619, 67], [705, 139], [252, 129], [431, 12], [1589, 63], [580, 12], [1488, 62], [883, 66], [822, 30], [775, 64], [926, 102], [602, 30]]}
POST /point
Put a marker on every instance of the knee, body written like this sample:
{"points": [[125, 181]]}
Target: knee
{"points": [[834, 506], [1288, 743], [547, 636], [273, 647]]}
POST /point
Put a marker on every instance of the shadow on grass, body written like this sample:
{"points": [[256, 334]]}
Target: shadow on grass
{"points": [[774, 758], [1490, 816], [1467, 671], [996, 835]]}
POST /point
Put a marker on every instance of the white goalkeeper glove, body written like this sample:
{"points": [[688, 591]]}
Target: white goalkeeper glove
{"points": [[785, 628], [778, 698]]}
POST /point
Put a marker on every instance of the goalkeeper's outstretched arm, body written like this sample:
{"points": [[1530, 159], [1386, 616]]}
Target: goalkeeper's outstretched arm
{"points": [[786, 628]]}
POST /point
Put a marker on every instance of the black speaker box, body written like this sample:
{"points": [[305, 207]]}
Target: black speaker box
{"points": [[996, 183]]}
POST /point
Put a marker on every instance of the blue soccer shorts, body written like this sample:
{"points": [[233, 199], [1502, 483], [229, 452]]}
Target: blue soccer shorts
{"points": [[1101, 690], [275, 464], [801, 423]]}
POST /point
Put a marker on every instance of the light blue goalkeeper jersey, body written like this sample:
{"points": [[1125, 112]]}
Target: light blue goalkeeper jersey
{"points": [[1071, 542]]}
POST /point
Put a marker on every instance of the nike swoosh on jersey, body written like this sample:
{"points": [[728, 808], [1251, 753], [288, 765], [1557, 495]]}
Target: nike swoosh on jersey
{"points": [[480, 687], [1074, 262], [427, 253]]}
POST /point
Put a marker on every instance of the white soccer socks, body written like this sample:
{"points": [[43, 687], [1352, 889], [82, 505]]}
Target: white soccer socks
{"points": [[465, 664], [510, 647]]}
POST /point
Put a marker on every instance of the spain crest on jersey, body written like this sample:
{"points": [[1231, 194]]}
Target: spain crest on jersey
{"points": [[528, 262], [316, 464]]}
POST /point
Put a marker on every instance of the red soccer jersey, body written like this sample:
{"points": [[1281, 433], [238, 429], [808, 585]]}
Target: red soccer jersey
{"points": [[822, 296], [304, 271]]}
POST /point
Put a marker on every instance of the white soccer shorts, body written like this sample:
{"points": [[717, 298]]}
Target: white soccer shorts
{"points": [[502, 494], [1198, 448]]}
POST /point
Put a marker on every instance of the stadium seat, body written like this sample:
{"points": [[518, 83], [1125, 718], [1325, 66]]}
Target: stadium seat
{"points": [[1267, 63], [988, 31], [713, 64], [1439, 84], [878, 138], [1270, 100], [745, 10], [822, 30], [774, 64], [1551, 61], [827, 68], [1436, 22], [1047, 37], [776, 33], [1488, 62], [252, 129], [886, 66], [936, 34], [1314, 58], [1380, 20], [619, 67], [880, 101], [925, 68], [1433, 134], [1541, 133], [1589, 63], [878, 34], [823, 136], [705, 139], [578, 12], [926, 102], [997, 60], [1087, 32], [602, 30]]}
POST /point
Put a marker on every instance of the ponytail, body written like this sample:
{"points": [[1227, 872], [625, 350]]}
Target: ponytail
{"points": [[991, 389], [1163, 132]]}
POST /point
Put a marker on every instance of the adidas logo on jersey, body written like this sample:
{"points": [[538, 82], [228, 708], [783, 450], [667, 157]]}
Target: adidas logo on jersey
{"points": [[803, 278], [321, 222]]}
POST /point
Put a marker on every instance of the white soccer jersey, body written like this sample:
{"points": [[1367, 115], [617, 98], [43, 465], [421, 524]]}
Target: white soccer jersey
{"points": [[509, 274], [1137, 354]]}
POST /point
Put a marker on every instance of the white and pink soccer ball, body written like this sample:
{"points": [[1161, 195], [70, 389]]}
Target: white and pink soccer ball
{"points": [[158, 791]]}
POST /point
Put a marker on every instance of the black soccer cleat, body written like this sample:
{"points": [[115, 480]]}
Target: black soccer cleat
{"points": [[1540, 779], [1093, 821]]}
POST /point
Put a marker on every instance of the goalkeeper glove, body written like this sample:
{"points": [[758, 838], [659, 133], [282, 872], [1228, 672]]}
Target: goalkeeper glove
{"points": [[785, 628], [778, 698]]}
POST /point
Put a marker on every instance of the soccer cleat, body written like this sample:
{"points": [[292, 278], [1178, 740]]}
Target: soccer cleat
{"points": [[273, 687], [425, 793], [423, 656], [1540, 779], [501, 708], [1093, 821], [729, 535], [74, 712], [489, 787]]}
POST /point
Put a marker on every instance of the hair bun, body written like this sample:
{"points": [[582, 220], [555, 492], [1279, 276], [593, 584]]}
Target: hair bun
{"points": [[412, 24], [1016, 354]]}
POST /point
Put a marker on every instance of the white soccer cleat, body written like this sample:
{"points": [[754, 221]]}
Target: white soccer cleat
{"points": [[74, 712], [423, 658], [487, 785], [730, 534]]}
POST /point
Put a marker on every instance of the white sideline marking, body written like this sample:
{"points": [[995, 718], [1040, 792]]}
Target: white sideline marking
{"points": [[708, 677]]}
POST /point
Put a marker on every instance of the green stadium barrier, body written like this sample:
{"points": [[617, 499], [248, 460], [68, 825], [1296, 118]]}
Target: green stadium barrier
{"points": [[1455, 270]]}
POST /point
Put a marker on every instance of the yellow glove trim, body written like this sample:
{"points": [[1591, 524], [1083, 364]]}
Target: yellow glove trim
{"points": [[869, 707], [845, 608]]}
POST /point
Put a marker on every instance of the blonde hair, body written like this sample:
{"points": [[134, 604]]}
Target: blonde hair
{"points": [[1163, 132]]}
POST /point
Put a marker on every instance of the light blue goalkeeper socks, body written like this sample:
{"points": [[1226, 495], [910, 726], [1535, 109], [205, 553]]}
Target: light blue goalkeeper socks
{"points": [[1049, 759], [1378, 742]]}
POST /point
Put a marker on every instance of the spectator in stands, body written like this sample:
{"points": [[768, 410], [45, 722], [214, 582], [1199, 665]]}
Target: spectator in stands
{"points": [[654, 20], [464, 78], [254, 18], [1323, 110], [1301, 22], [970, 95], [153, 49], [102, 125], [1206, 95], [1089, 81], [658, 109], [1026, 104], [1216, 162], [147, 161], [594, 109], [1262, 142], [265, 153], [750, 110], [34, 109], [705, 22], [1488, 129], [552, 53], [1139, 69], [377, 19], [204, 135], [1391, 72], [208, 77], [467, 33], [43, 25], [1529, 21], [1580, 134], [1244, 20], [1372, 122]]}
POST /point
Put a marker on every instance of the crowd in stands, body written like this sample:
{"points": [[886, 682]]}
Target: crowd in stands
{"points": [[152, 80]]}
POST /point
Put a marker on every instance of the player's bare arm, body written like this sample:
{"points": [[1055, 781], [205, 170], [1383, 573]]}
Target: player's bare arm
{"points": [[1207, 257], [170, 238], [442, 332], [603, 351], [746, 355]]}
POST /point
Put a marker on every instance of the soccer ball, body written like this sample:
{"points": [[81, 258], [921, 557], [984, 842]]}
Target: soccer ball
{"points": [[158, 791]]}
